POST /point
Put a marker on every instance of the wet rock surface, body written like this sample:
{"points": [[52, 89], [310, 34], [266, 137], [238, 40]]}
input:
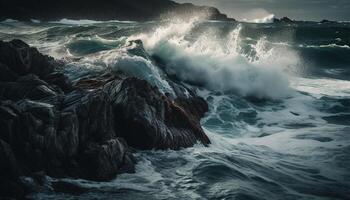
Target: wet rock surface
{"points": [[83, 130]]}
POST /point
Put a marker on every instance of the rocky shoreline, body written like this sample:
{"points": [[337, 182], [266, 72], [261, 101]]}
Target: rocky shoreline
{"points": [[87, 129]]}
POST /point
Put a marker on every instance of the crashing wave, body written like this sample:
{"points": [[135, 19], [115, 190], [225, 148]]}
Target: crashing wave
{"points": [[218, 63], [268, 19], [130, 59]]}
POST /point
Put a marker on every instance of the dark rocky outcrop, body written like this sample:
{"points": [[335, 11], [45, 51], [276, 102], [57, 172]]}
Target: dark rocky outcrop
{"points": [[22, 59], [83, 130], [10, 185], [284, 20], [287, 20], [48, 125], [325, 21], [136, 10], [152, 120]]}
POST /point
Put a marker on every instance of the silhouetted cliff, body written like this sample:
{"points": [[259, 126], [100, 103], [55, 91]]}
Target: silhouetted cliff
{"points": [[135, 10]]}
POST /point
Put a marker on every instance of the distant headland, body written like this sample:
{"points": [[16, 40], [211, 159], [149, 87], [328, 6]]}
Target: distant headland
{"points": [[133, 10]]}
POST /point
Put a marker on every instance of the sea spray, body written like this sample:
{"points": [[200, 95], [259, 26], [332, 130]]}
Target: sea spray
{"points": [[218, 62], [267, 19], [129, 58]]}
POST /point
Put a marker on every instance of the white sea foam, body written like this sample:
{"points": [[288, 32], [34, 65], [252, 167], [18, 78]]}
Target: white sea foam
{"points": [[264, 20], [326, 46], [121, 60], [218, 63], [323, 86]]}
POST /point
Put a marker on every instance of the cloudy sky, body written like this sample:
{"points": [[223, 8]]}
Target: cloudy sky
{"points": [[296, 9]]}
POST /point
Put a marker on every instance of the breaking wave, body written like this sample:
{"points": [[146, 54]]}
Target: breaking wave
{"points": [[221, 63], [264, 20]]}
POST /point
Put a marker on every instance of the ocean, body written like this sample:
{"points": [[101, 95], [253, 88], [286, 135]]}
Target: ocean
{"points": [[279, 98]]}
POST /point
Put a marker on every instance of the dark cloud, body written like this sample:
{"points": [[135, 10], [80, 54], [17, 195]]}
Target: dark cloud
{"points": [[297, 9]]}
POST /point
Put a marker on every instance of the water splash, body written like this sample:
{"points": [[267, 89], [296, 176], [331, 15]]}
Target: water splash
{"points": [[264, 20], [218, 62]]}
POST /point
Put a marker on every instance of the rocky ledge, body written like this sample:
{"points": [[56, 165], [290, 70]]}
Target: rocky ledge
{"points": [[89, 129]]}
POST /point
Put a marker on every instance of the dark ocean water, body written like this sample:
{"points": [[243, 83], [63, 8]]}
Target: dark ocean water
{"points": [[293, 145]]}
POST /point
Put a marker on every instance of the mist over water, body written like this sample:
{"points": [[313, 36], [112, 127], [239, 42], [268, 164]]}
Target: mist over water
{"points": [[279, 98]]}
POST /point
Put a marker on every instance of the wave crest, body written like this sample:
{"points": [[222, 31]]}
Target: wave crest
{"points": [[218, 63], [263, 20]]}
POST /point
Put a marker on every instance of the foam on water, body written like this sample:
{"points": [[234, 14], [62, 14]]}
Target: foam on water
{"points": [[326, 46], [322, 87], [219, 63], [264, 20]]}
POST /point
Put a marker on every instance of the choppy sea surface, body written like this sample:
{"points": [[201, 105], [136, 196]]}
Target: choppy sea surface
{"points": [[279, 97]]}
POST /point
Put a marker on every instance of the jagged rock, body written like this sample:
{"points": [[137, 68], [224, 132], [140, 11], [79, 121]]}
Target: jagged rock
{"points": [[94, 112], [29, 86], [45, 138], [48, 125], [6, 73], [147, 119], [59, 80], [9, 173], [8, 164], [83, 130], [104, 161], [23, 59], [325, 21], [283, 20], [188, 10]]}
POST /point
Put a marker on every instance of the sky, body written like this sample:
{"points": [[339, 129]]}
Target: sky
{"points": [[295, 9]]}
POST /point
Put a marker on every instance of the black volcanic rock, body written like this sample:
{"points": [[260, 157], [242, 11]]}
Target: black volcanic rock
{"points": [[10, 185], [7, 74], [325, 21], [45, 127], [98, 163], [23, 59], [285, 20], [148, 119], [83, 130], [136, 10]]}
